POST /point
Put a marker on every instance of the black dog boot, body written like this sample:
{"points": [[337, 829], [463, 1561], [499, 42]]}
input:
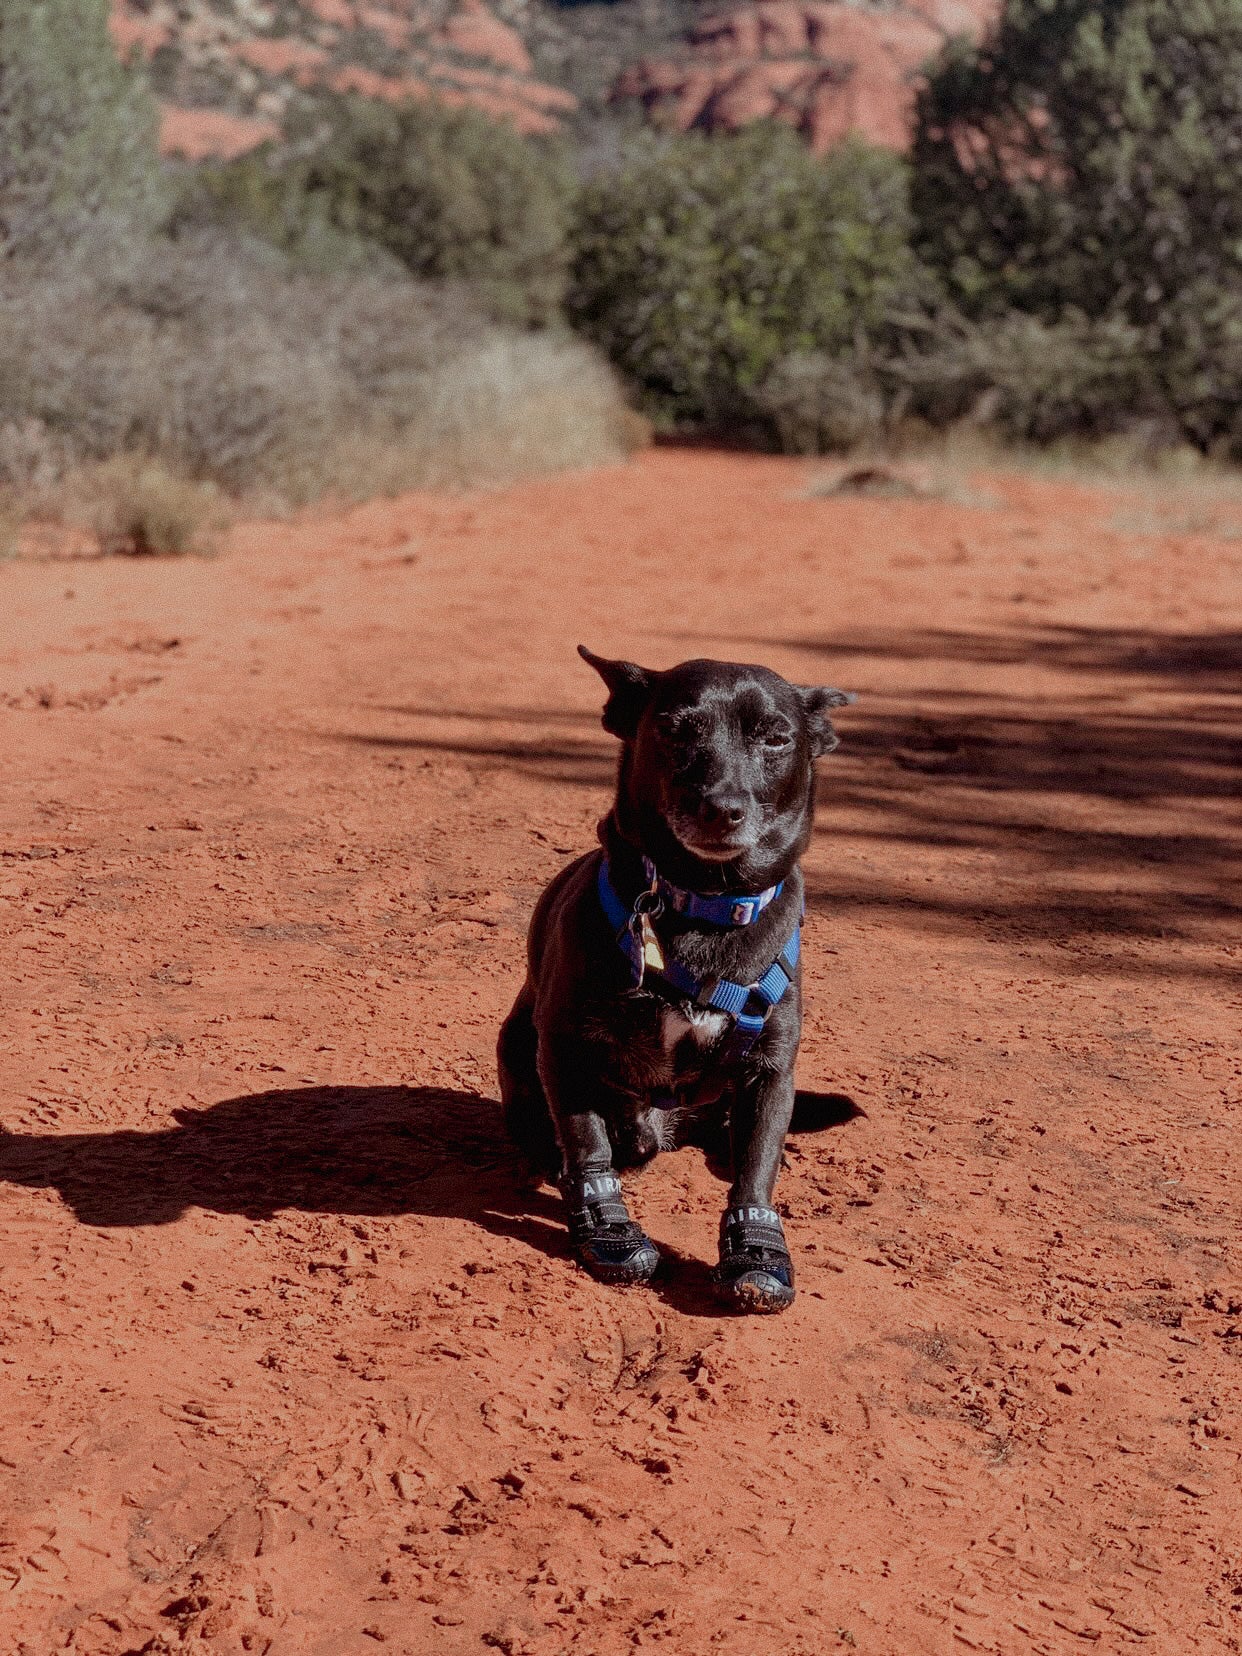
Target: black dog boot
{"points": [[606, 1240], [755, 1271]]}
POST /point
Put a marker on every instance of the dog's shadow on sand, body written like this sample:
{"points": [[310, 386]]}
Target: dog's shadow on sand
{"points": [[369, 1151]]}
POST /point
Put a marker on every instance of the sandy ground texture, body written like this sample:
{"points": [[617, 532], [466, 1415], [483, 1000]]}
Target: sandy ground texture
{"points": [[290, 1363]]}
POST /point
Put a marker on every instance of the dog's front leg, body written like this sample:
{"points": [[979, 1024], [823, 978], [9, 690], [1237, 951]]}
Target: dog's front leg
{"points": [[755, 1272], [606, 1240]]}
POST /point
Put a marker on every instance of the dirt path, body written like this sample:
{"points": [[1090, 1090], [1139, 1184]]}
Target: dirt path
{"points": [[287, 1361]]}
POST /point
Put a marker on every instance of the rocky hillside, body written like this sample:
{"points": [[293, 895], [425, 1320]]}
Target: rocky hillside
{"points": [[826, 68], [225, 69]]}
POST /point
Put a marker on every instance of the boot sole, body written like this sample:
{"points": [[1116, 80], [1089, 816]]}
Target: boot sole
{"points": [[634, 1273], [754, 1292]]}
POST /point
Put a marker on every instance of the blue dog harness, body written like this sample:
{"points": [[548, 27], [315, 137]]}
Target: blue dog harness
{"points": [[748, 1004]]}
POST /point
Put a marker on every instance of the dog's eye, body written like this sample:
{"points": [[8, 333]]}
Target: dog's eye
{"points": [[674, 728], [775, 737]]}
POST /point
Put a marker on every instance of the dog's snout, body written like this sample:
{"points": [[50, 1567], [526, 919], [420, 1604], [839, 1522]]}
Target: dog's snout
{"points": [[722, 811]]}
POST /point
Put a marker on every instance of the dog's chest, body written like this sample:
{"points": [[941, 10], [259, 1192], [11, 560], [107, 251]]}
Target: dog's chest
{"points": [[690, 1031]]}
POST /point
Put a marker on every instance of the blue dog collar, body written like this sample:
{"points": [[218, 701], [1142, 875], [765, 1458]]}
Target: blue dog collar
{"points": [[717, 911]]}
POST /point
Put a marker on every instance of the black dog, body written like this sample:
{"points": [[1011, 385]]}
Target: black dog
{"points": [[663, 970]]}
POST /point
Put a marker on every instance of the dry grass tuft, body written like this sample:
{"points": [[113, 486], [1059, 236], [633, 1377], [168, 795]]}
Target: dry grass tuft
{"points": [[11, 516], [1159, 491], [136, 506], [511, 407], [1127, 463]]}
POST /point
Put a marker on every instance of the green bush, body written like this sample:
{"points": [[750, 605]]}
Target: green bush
{"points": [[700, 263], [1029, 380], [819, 404], [1086, 161], [451, 194], [77, 128]]}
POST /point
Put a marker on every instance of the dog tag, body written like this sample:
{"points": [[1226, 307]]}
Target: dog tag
{"points": [[653, 954]]}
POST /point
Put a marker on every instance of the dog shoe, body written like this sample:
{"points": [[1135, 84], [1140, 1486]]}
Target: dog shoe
{"points": [[755, 1272], [606, 1240]]}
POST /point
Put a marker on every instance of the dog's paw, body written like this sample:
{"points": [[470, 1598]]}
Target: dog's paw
{"points": [[622, 1255], [606, 1240], [754, 1289], [755, 1272]]}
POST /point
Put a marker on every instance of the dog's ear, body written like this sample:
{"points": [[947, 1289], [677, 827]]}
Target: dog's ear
{"points": [[817, 700], [629, 685]]}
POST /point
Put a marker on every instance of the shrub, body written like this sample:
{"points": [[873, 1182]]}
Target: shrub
{"points": [[11, 515], [451, 193], [211, 355], [1086, 161], [701, 263], [32, 458], [510, 406], [137, 506], [77, 128], [1029, 380], [1026, 380], [188, 351], [819, 404]]}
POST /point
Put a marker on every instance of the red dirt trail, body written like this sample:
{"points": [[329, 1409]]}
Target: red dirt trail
{"points": [[288, 1360]]}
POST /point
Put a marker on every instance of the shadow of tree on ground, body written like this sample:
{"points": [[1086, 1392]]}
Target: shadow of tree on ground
{"points": [[1095, 769]]}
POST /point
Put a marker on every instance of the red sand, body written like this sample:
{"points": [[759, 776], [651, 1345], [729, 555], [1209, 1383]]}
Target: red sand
{"points": [[288, 1361]]}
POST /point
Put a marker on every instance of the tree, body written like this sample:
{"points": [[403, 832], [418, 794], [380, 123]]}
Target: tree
{"points": [[451, 193], [1086, 159], [701, 262], [77, 127]]}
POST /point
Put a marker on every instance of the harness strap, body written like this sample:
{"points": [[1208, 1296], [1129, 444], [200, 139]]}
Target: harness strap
{"points": [[748, 1004], [594, 1199], [752, 1227]]}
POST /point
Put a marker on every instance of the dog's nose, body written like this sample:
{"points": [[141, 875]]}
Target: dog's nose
{"points": [[722, 812]]}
